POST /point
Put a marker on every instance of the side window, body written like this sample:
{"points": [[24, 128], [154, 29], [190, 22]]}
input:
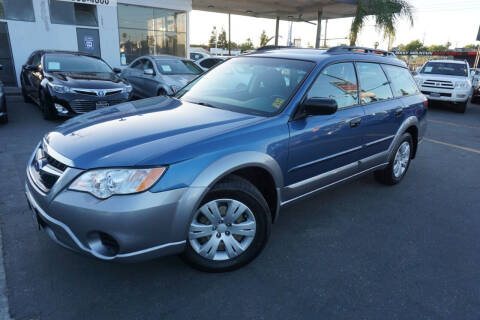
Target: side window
{"points": [[137, 65], [374, 85], [339, 82], [36, 59], [402, 82], [147, 65], [208, 63]]}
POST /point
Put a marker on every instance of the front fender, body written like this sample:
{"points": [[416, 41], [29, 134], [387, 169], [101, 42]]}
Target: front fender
{"points": [[212, 174]]}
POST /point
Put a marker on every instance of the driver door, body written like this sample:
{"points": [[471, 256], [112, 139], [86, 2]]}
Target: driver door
{"points": [[324, 149]]}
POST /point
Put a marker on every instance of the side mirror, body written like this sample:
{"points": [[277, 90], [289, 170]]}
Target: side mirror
{"points": [[149, 72], [117, 70], [319, 107]]}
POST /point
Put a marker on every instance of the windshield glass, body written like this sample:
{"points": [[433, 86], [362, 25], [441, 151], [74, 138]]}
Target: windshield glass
{"points": [[74, 63], [451, 69], [248, 84], [177, 67]]}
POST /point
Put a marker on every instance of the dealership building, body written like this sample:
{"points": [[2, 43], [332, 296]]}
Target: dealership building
{"points": [[118, 31], [121, 30]]}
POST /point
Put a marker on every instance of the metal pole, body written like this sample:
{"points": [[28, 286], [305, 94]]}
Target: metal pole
{"points": [[229, 30], [277, 26], [325, 40], [319, 28]]}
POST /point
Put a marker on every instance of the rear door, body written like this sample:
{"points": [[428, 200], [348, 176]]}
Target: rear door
{"points": [[324, 149], [383, 112]]}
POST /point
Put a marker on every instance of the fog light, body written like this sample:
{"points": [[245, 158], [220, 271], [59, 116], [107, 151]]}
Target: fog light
{"points": [[61, 109]]}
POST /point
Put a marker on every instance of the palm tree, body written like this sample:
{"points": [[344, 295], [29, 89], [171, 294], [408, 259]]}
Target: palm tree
{"points": [[386, 13]]}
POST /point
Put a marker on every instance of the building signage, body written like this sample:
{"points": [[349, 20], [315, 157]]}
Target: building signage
{"points": [[95, 2]]}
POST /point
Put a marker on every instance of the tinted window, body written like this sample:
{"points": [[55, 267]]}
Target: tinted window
{"points": [[17, 10], [62, 12], [208, 63], [248, 84], [374, 85], [147, 65], [74, 63], [452, 69], [337, 82], [401, 80], [174, 66], [137, 64], [36, 59]]}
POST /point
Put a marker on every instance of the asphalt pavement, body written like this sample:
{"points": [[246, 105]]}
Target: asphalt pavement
{"points": [[360, 251]]}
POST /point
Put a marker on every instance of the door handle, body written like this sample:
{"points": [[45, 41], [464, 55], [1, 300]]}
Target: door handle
{"points": [[355, 122], [398, 111]]}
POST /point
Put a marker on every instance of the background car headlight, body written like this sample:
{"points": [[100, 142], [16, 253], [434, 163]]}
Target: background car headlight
{"points": [[59, 88], [103, 183], [127, 89], [461, 84]]}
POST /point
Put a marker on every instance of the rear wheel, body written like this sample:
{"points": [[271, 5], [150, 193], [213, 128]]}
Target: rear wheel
{"points": [[26, 97], [46, 106], [230, 227], [399, 162]]}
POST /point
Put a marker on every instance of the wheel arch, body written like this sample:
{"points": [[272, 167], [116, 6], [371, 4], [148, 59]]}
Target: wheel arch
{"points": [[410, 125]]}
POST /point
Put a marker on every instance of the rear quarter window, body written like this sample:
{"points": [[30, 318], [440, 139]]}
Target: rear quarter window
{"points": [[401, 81], [374, 85]]}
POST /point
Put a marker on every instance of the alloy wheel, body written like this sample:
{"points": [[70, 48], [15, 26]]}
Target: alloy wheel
{"points": [[402, 158], [222, 229]]}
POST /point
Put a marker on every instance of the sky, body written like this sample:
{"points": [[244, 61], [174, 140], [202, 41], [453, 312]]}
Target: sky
{"points": [[435, 22]]}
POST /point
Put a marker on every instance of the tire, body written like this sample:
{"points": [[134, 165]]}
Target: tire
{"points": [[161, 93], [25, 96], [390, 175], [461, 107], [46, 107], [232, 192], [4, 119]]}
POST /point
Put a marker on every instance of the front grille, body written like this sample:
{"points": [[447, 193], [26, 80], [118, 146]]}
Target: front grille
{"points": [[83, 106], [438, 84], [45, 170]]}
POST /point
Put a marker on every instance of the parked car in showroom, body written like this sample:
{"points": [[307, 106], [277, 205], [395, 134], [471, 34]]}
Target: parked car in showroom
{"points": [[3, 103], [447, 81], [152, 76], [205, 173], [210, 62], [64, 83]]}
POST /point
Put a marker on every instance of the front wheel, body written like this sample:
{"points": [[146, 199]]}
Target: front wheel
{"points": [[46, 106], [461, 107], [230, 227], [399, 163]]}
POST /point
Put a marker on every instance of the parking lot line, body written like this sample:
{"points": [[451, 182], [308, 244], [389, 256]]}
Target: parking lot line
{"points": [[452, 145], [453, 124]]}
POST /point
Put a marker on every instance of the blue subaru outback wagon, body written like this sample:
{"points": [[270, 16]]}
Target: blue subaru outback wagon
{"points": [[205, 173]]}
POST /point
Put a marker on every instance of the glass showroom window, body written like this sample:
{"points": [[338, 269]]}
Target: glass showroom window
{"points": [[79, 14], [17, 10], [151, 31]]}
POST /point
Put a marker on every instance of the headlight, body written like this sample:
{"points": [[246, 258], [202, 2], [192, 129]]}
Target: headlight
{"points": [[103, 183], [461, 84], [127, 89], [59, 88]]}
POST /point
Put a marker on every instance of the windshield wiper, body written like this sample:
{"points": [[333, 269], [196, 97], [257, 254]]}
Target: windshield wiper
{"points": [[205, 104]]}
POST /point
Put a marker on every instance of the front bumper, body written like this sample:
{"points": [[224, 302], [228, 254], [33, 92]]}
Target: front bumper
{"points": [[125, 228], [453, 96]]}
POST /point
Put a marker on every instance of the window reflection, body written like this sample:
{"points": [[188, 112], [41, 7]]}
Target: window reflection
{"points": [[151, 31]]}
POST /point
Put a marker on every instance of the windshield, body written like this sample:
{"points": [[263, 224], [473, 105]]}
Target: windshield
{"points": [[177, 67], [451, 69], [74, 63], [248, 84]]}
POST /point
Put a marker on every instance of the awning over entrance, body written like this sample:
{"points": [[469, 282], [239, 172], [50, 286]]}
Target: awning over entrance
{"points": [[290, 10], [296, 10]]}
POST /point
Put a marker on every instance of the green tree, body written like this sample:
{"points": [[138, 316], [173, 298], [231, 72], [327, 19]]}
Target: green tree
{"points": [[415, 45], [213, 38], [264, 39], [386, 14], [472, 46], [247, 45], [222, 39]]}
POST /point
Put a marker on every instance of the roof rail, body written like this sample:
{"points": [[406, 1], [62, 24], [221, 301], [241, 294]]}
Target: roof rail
{"points": [[271, 47], [361, 50]]}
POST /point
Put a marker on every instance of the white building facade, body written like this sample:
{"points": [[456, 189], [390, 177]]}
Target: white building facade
{"points": [[117, 30]]}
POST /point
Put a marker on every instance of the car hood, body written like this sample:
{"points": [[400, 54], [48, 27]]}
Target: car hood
{"points": [[89, 80], [155, 131], [443, 77], [179, 80]]}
